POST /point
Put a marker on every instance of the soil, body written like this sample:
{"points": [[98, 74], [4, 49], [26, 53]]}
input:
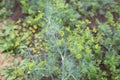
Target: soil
{"points": [[17, 12], [6, 60]]}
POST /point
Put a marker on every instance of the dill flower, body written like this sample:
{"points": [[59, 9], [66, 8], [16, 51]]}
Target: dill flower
{"points": [[59, 42], [67, 28], [77, 25], [61, 33], [30, 28], [87, 21], [17, 43], [82, 22], [70, 37], [35, 27], [94, 30], [36, 35], [73, 51], [18, 21], [72, 19], [14, 26], [88, 50], [24, 24], [80, 47], [78, 56], [33, 50], [33, 30], [97, 46]]}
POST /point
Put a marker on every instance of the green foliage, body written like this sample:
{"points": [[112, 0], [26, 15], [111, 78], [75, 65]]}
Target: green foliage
{"points": [[6, 42], [67, 40], [5, 8]]}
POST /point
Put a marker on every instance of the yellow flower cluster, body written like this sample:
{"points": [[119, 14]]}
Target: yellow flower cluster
{"points": [[78, 56], [72, 19], [67, 28], [30, 34], [35, 27], [73, 51], [82, 22], [87, 21], [80, 41], [94, 30], [88, 50], [97, 46], [77, 25], [18, 21], [59, 42], [70, 37], [61, 33], [32, 29], [80, 47], [17, 43]]}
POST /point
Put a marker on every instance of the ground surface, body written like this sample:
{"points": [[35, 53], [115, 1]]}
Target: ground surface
{"points": [[6, 60]]}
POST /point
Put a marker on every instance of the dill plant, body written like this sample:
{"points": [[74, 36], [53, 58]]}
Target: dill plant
{"points": [[72, 50]]}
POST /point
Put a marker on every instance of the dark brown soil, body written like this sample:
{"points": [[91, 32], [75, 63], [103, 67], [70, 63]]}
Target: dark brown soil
{"points": [[17, 12]]}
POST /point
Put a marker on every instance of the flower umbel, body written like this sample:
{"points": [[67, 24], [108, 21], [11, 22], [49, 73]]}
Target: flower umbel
{"points": [[78, 56]]}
